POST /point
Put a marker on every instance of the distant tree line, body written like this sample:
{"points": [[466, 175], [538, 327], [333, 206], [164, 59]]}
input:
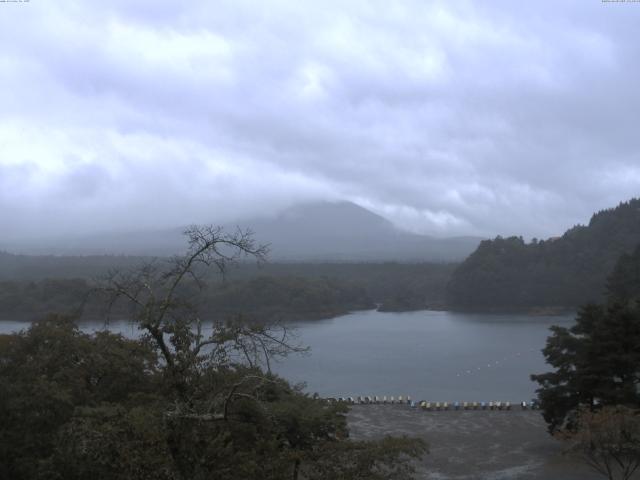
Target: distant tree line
{"points": [[38, 267], [509, 273], [36, 286], [258, 299]]}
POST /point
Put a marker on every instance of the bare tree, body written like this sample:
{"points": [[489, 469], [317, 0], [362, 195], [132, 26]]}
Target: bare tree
{"points": [[162, 298], [608, 440]]}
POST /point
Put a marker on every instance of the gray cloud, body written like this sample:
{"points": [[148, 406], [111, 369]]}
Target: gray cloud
{"points": [[471, 118]]}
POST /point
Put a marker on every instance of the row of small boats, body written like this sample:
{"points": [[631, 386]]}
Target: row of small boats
{"points": [[433, 406], [373, 400]]}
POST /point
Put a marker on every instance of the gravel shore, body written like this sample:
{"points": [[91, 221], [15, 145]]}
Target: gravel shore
{"points": [[469, 445]]}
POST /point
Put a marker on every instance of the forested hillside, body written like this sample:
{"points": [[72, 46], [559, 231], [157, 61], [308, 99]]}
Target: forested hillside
{"points": [[623, 285], [261, 299], [509, 273], [37, 267], [32, 286]]}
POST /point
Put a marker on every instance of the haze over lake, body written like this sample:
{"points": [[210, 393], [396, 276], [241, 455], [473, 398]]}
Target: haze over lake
{"points": [[440, 356]]}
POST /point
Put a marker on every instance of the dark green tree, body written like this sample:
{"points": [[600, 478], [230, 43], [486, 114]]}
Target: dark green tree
{"points": [[596, 361], [51, 370]]}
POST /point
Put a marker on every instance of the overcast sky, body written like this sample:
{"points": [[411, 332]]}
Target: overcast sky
{"points": [[448, 118]]}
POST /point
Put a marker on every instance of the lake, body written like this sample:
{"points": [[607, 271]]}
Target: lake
{"points": [[438, 356]]}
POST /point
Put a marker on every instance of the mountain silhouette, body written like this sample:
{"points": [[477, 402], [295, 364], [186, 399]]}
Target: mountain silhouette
{"points": [[327, 231]]}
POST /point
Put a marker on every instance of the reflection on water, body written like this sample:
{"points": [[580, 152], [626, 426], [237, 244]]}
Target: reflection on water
{"points": [[428, 355]]}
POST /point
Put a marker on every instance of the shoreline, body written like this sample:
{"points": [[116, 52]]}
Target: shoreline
{"points": [[289, 317]]}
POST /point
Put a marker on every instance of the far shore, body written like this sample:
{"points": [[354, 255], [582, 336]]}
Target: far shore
{"points": [[533, 311], [289, 317]]}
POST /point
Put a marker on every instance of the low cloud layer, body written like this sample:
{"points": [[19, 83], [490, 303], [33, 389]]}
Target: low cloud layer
{"points": [[448, 118]]}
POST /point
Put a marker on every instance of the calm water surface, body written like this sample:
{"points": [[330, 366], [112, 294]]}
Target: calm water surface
{"points": [[440, 356]]}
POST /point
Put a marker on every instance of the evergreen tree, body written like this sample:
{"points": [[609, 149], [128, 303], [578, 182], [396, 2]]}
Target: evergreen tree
{"points": [[596, 361]]}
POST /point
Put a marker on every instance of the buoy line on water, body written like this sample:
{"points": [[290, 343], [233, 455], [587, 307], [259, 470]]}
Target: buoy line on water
{"points": [[491, 364]]}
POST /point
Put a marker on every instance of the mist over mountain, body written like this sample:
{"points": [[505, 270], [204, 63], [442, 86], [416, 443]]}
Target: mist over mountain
{"points": [[346, 231], [340, 231]]}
